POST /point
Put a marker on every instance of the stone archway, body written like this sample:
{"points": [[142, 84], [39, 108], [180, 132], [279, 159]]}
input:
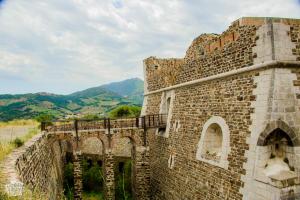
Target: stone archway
{"points": [[279, 124], [140, 161], [139, 154], [124, 152], [276, 155], [107, 158]]}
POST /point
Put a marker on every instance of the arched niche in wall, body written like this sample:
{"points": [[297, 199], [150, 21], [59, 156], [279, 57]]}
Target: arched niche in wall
{"points": [[214, 145], [277, 157]]}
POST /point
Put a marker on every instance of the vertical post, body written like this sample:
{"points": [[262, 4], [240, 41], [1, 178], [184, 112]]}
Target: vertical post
{"points": [[108, 125], [43, 126], [76, 131], [145, 131], [108, 131], [137, 122], [153, 121], [144, 122]]}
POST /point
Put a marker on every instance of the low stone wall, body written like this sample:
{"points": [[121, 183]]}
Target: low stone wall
{"points": [[38, 165]]}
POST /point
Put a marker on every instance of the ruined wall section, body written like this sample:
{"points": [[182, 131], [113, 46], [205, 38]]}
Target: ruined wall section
{"points": [[226, 52], [236, 48]]}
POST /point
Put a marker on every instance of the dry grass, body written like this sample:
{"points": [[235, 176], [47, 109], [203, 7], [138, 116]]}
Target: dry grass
{"points": [[7, 147], [27, 195], [21, 122]]}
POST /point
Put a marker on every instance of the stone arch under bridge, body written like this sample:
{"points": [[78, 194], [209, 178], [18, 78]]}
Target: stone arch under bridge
{"points": [[109, 132]]}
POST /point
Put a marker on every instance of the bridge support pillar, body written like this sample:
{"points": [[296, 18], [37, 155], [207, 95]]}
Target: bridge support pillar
{"points": [[141, 173], [77, 175], [109, 177]]}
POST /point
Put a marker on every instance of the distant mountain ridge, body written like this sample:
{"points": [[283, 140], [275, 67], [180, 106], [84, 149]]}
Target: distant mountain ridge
{"points": [[96, 100]]}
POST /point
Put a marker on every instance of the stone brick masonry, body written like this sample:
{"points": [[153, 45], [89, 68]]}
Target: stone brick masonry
{"points": [[248, 76]]}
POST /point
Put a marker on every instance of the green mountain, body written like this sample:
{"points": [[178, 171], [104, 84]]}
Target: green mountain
{"points": [[97, 100]]}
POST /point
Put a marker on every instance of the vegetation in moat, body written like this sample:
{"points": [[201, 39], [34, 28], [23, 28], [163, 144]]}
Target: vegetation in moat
{"points": [[97, 100], [123, 181], [93, 181], [69, 181]]}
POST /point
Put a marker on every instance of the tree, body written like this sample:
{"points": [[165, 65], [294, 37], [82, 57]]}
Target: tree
{"points": [[125, 111], [45, 117]]}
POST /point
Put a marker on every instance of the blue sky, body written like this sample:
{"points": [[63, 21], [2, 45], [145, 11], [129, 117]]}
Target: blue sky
{"points": [[62, 46]]}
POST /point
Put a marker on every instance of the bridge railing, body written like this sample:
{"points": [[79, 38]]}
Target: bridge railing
{"points": [[143, 122], [155, 121]]}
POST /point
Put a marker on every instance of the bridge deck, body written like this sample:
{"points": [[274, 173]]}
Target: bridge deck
{"points": [[143, 122]]}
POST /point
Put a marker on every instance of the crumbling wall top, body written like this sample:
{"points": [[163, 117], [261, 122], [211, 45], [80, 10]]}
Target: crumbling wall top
{"points": [[247, 41]]}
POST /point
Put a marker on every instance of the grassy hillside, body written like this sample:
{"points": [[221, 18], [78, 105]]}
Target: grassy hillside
{"points": [[97, 100]]}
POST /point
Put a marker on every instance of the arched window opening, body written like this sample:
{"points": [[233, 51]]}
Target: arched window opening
{"points": [[212, 148], [214, 145]]}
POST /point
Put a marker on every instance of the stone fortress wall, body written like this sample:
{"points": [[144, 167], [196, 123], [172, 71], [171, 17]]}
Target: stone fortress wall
{"points": [[239, 86], [38, 165]]}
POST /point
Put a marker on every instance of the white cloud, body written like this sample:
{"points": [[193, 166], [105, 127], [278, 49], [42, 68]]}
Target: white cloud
{"points": [[63, 46]]}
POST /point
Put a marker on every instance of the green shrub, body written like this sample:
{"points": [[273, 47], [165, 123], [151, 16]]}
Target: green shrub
{"points": [[123, 183], [92, 177], [18, 142], [45, 117], [69, 181]]}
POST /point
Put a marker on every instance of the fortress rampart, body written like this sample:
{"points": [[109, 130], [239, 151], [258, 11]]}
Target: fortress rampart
{"points": [[233, 112]]}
